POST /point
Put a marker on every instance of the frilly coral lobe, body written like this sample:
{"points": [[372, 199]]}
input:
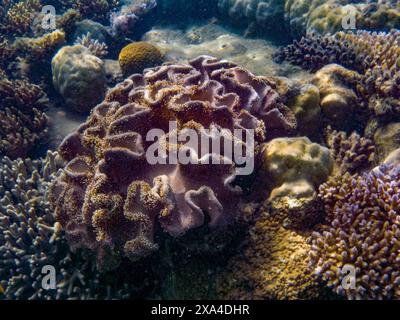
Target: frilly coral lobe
{"points": [[110, 199]]}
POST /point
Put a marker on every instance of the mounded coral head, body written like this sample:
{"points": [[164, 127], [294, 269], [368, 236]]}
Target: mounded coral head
{"points": [[110, 198], [136, 57], [292, 169], [361, 234], [79, 77]]}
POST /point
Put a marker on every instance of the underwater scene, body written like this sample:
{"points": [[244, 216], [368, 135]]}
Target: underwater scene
{"points": [[199, 150]]}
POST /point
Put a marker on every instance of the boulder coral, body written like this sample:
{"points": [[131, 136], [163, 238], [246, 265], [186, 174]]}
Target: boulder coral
{"points": [[373, 55], [361, 235], [79, 77], [338, 96], [273, 264], [136, 57], [110, 199], [293, 169]]}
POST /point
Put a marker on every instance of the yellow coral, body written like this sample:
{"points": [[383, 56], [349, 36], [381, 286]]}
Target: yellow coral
{"points": [[137, 56]]}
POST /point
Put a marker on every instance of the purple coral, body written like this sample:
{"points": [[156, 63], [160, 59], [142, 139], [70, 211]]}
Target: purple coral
{"points": [[362, 231], [124, 21], [110, 199]]}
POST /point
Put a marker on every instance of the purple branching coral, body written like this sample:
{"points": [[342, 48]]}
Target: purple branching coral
{"points": [[124, 21], [374, 55], [352, 153], [362, 231], [110, 199]]}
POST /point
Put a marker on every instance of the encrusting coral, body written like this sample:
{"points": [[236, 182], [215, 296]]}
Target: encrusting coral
{"points": [[19, 17], [361, 233], [24, 125], [31, 239], [79, 77], [136, 57], [110, 198]]}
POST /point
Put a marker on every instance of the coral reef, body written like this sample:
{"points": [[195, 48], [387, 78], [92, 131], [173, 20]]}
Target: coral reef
{"points": [[373, 55], [304, 100], [109, 197], [79, 77], [361, 233], [217, 41], [293, 169], [273, 264], [98, 49], [257, 16], [123, 23], [387, 138], [339, 101], [19, 17], [136, 57], [352, 153], [31, 239], [23, 122]]}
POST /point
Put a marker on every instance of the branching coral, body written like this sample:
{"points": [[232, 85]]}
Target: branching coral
{"points": [[23, 122], [352, 153], [19, 17], [99, 49], [31, 239], [361, 233], [374, 55], [110, 198]]}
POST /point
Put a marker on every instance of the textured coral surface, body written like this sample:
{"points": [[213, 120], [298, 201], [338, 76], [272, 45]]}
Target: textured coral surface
{"points": [[361, 232], [110, 198]]}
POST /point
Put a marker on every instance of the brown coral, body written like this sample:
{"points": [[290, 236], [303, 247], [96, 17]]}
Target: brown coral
{"points": [[23, 122], [110, 198]]}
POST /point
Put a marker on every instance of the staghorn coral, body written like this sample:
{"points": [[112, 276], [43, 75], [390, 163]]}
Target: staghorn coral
{"points": [[98, 49], [361, 231], [352, 153], [97, 10], [30, 239], [23, 121], [79, 77], [374, 55], [42, 49], [136, 57], [19, 17], [110, 198]]}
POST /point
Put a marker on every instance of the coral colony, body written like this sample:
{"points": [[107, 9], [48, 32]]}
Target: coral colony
{"points": [[171, 149]]}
